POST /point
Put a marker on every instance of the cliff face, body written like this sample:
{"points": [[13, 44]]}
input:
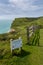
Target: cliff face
{"points": [[25, 21], [22, 21]]}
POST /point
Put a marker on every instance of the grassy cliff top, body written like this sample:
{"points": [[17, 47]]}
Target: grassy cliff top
{"points": [[26, 21], [31, 55]]}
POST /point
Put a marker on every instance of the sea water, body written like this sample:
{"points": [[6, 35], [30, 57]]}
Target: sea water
{"points": [[5, 26]]}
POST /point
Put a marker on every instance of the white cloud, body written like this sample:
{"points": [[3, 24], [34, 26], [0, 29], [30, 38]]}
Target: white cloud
{"points": [[24, 4], [9, 17], [20, 8]]}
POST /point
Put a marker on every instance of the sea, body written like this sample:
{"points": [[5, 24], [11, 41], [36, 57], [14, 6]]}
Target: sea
{"points": [[5, 26]]}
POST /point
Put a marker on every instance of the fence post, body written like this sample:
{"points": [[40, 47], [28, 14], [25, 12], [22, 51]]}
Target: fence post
{"points": [[21, 42], [28, 35], [11, 44]]}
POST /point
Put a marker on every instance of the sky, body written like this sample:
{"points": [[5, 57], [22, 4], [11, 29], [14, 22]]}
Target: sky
{"points": [[10, 9]]}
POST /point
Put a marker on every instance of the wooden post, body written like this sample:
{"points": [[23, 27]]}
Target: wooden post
{"points": [[11, 45], [28, 35]]}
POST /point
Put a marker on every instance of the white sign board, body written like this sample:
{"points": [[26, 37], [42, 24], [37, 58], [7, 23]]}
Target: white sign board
{"points": [[16, 44]]}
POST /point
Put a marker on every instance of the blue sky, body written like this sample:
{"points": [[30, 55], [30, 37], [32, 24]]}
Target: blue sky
{"points": [[10, 9]]}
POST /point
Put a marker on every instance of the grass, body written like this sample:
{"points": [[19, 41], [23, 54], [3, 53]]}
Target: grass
{"points": [[31, 55]]}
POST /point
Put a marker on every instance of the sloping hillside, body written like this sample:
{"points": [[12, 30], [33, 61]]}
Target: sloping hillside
{"points": [[31, 55], [26, 21], [22, 21], [40, 21]]}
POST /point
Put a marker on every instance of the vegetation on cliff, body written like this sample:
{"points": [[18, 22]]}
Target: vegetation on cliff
{"points": [[32, 55]]}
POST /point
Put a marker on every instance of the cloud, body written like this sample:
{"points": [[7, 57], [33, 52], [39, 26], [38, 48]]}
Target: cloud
{"points": [[9, 17], [19, 8], [24, 4]]}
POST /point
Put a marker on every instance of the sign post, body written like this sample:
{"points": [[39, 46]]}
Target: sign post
{"points": [[15, 44]]}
